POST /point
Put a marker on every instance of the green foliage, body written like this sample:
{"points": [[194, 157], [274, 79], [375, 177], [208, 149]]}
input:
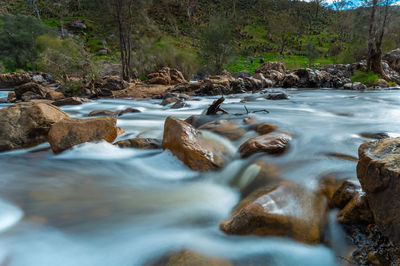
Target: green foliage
{"points": [[2, 68], [392, 84], [63, 59], [151, 56], [367, 78], [217, 42], [17, 40], [312, 52]]}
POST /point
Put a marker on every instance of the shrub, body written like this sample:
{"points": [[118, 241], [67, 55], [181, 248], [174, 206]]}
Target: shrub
{"points": [[367, 78], [17, 40], [63, 59], [2, 68]]}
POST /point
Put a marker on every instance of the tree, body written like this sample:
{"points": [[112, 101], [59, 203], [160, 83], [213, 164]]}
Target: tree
{"points": [[282, 26], [312, 52], [17, 40], [217, 41]]}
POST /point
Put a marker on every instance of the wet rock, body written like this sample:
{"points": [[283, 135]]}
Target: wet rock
{"points": [[345, 193], [354, 86], [70, 132], [120, 131], [273, 143], [26, 125], [29, 95], [342, 156], [265, 128], [357, 211], [277, 96], [290, 81], [251, 121], [285, 209], [188, 144], [8, 81], [327, 186], [114, 83], [166, 76], [199, 120], [379, 173], [226, 128], [179, 104], [11, 96], [128, 110], [31, 90], [71, 101], [379, 135], [266, 83], [140, 143], [101, 113], [170, 100], [189, 258]]}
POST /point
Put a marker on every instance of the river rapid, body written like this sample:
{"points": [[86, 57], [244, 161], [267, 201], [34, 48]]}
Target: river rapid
{"points": [[98, 204]]}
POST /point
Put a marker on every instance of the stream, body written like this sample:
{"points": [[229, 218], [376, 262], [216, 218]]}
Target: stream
{"points": [[98, 204]]}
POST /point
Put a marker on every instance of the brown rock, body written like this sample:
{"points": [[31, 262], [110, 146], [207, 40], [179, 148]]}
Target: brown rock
{"points": [[127, 111], [250, 120], [113, 83], [327, 186], [345, 193], [198, 120], [190, 258], [11, 96], [25, 125], [285, 209], [357, 211], [266, 128], [29, 95], [140, 143], [71, 101], [188, 144], [54, 95], [32, 88], [273, 143], [120, 131], [170, 100], [379, 173], [226, 128], [101, 113], [8, 81], [70, 132], [277, 66], [166, 76]]}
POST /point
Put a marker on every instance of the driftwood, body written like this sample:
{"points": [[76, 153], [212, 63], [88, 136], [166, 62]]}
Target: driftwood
{"points": [[252, 112], [215, 107]]}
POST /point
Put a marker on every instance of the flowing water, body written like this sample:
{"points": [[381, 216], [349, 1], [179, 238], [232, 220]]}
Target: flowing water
{"points": [[97, 204]]}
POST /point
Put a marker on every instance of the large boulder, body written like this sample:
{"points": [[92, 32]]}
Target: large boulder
{"points": [[310, 78], [393, 59], [226, 128], [32, 90], [114, 83], [71, 101], [273, 143], [8, 81], [191, 147], [284, 209], [378, 170], [70, 132], [277, 66], [25, 125], [166, 76]]}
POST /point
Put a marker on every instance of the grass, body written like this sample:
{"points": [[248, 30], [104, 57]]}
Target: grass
{"points": [[367, 78]]}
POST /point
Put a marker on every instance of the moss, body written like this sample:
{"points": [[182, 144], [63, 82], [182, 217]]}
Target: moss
{"points": [[367, 78]]}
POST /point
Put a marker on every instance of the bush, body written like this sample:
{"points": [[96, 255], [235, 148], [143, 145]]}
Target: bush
{"points": [[63, 59], [151, 56], [17, 40], [367, 78], [2, 68]]}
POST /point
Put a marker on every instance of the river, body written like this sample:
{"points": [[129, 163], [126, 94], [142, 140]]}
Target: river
{"points": [[98, 204]]}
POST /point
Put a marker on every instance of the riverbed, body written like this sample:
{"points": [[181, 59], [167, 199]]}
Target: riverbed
{"points": [[98, 204]]}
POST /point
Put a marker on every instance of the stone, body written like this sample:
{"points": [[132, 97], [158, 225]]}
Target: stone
{"points": [[242, 74], [8, 81], [283, 209], [266, 83], [344, 194], [70, 132], [114, 83], [170, 100], [102, 52], [35, 90], [277, 66], [179, 104], [198, 120], [71, 101], [378, 170], [29, 95], [128, 110], [189, 258], [327, 186], [166, 76], [290, 81], [11, 96], [378, 135], [226, 128], [190, 146], [357, 211], [277, 96], [273, 143], [354, 86], [140, 143], [393, 58], [381, 83], [101, 113], [25, 125], [54, 95], [265, 128]]}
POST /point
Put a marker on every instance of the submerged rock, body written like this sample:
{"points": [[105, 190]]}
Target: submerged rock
{"points": [[265, 128], [189, 258], [101, 113], [128, 110], [284, 209], [26, 125], [273, 143], [71, 101], [379, 173], [345, 193], [140, 143], [277, 96], [188, 144], [70, 132], [226, 128]]}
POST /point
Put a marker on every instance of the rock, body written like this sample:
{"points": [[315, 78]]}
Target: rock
{"points": [[251, 121], [188, 144], [79, 26], [140, 143], [71, 101], [114, 83], [101, 113], [344, 194], [179, 104], [266, 83], [31, 90], [382, 83], [354, 86], [166, 76], [128, 110], [199, 120], [357, 211], [226, 128], [327, 186], [170, 100], [26, 125], [379, 173], [242, 74], [273, 143], [277, 66], [29, 95], [265, 128], [11, 96], [252, 84], [393, 59], [102, 52], [54, 95], [70, 132], [310, 78], [290, 81], [8, 81], [284, 209], [379, 135], [120, 131], [189, 258], [277, 96]]}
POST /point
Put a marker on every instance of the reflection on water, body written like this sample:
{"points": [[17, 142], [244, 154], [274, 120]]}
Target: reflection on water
{"points": [[97, 204]]}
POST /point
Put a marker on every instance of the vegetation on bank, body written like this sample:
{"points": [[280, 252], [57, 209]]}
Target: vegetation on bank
{"points": [[193, 36]]}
